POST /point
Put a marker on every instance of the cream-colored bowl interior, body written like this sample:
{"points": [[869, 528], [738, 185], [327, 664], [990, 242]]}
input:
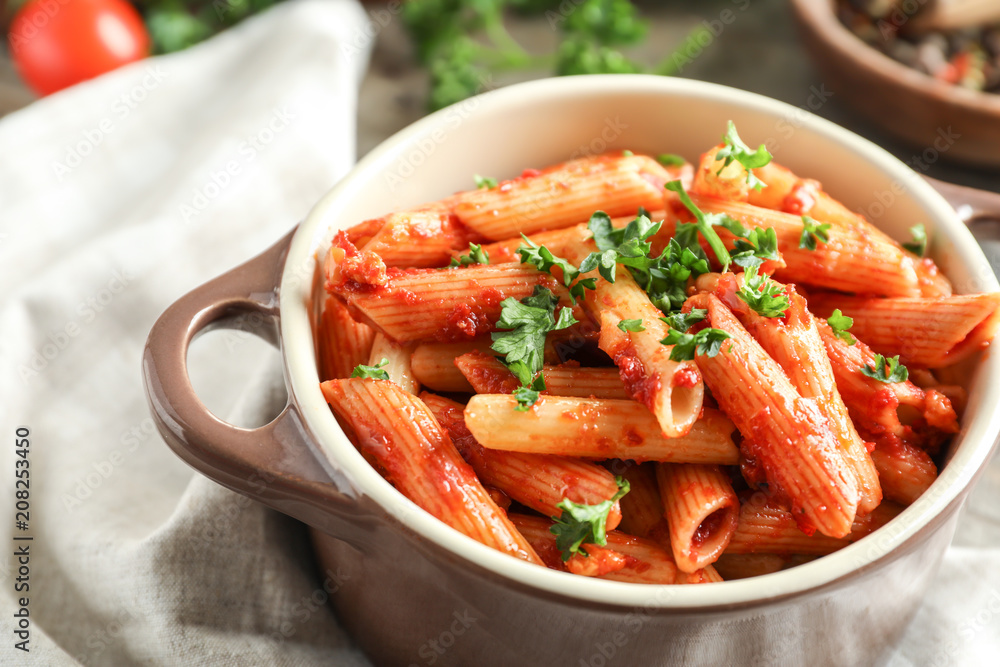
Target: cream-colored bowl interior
{"points": [[543, 122]]}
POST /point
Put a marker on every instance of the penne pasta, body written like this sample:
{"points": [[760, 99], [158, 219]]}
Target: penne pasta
{"points": [[787, 192], [701, 510], [597, 429], [794, 342], [923, 332], [454, 304], [646, 562], [766, 527], [759, 438], [906, 471], [672, 390], [488, 376], [398, 366], [420, 460], [537, 481], [783, 432], [342, 343], [419, 239], [850, 261], [562, 196]]}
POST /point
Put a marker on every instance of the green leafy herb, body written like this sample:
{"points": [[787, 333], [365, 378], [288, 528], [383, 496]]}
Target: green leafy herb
{"points": [[812, 232], [584, 524], [684, 321], [886, 370], [527, 322], [542, 259], [736, 150], [484, 182], [375, 372], [527, 395], [840, 324], [757, 245], [670, 160], [476, 255], [664, 278], [707, 342], [762, 294], [627, 153], [705, 224], [631, 325], [918, 246]]}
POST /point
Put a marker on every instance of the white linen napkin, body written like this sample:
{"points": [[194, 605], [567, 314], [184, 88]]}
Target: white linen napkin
{"points": [[117, 197]]}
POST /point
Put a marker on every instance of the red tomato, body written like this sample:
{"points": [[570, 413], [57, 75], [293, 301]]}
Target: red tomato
{"points": [[57, 43]]}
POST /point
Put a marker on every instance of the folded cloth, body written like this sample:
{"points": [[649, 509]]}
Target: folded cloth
{"points": [[117, 197]]}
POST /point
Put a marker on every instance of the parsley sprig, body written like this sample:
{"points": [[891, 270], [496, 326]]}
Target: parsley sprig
{"points": [[763, 295], [840, 324], [736, 150], [886, 370], [705, 224], [375, 372], [584, 524], [484, 182], [812, 232], [476, 255], [631, 325], [526, 324], [542, 259], [918, 246], [708, 341], [663, 277]]}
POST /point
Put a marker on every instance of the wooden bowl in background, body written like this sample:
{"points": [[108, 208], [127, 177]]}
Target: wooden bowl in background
{"points": [[956, 123]]}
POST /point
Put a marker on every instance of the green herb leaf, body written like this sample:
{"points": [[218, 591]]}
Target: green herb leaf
{"points": [[684, 321], [706, 223], [371, 372], [542, 259], [918, 246], [840, 323], [886, 370], [670, 160], [631, 325], [476, 255], [758, 244], [707, 342], [584, 524], [527, 322], [736, 150], [763, 295], [812, 232], [527, 394], [484, 182]]}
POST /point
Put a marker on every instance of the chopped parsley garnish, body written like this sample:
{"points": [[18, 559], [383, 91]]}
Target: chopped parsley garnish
{"points": [[527, 322], [375, 372], [706, 223], [736, 150], [840, 324], [918, 246], [755, 246], [670, 160], [684, 321], [763, 295], [584, 524], [542, 259], [484, 182], [812, 232], [627, 153], [476, 255], [707, 342], [664, 278], [886, 370], [527, 395], [631, 325]]}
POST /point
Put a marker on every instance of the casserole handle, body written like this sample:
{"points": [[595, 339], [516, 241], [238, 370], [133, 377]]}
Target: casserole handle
{"points": [[273, 463], [971, 204]]}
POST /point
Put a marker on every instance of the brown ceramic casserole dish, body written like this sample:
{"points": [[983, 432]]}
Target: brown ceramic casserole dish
{"points": [[413, 591]]}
